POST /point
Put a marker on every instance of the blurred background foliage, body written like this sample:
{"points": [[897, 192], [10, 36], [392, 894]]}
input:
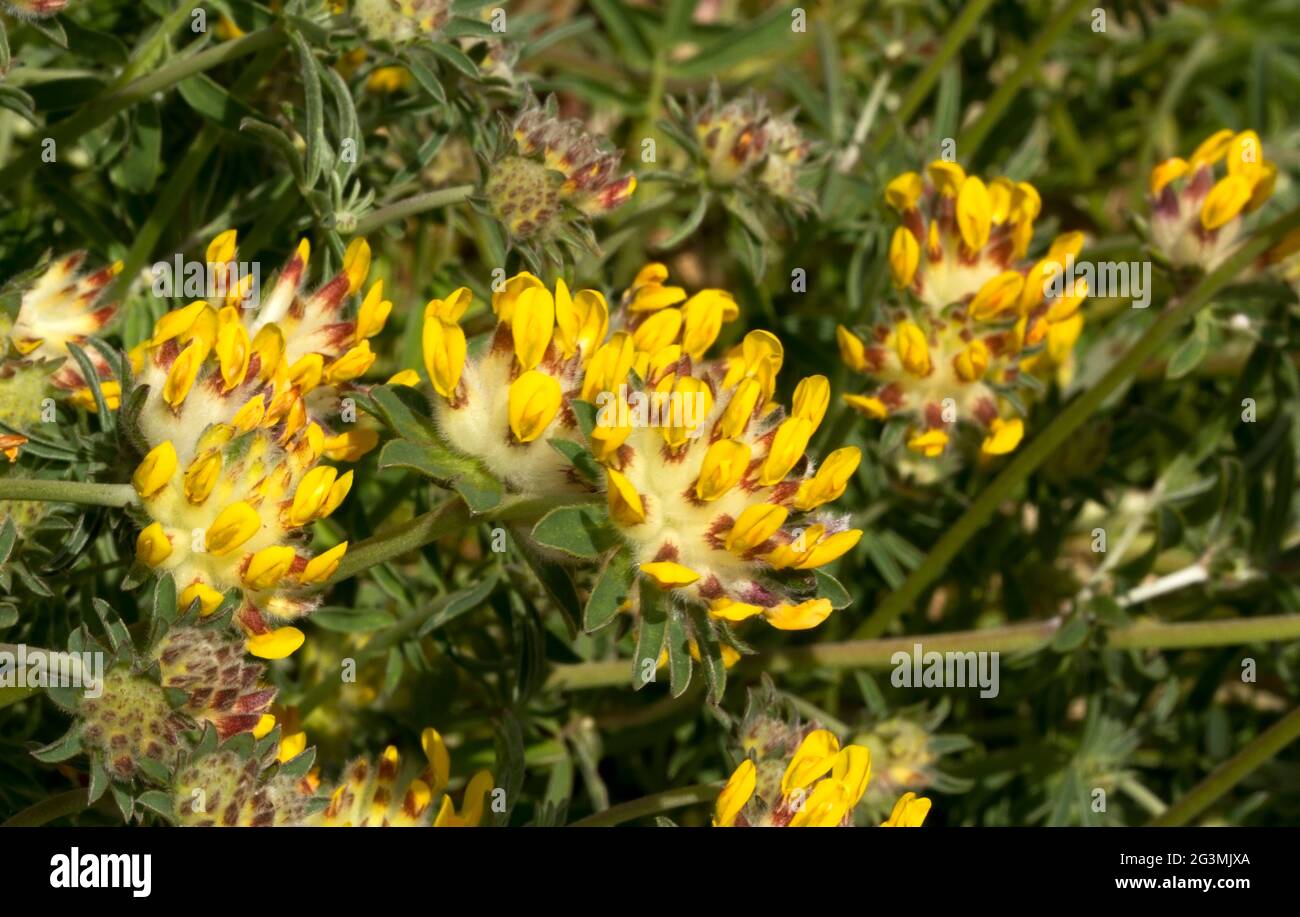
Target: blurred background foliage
{"points": [[466, 639]]}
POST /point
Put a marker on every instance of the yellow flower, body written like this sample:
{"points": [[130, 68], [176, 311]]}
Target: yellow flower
{"points": [[237, 523], [534, 401], [1199, 203], [909, 812], [277, 644], [820, 783], [669, 575], [152, 474], [734, 796], [153, 546], [444, 354]]}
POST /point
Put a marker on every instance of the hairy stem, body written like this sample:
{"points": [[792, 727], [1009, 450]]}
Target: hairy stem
{"points": [[650, 805], [411, 206], [47, 810], [1065, 424], [86, 493], [445, 519], [878, 654]]}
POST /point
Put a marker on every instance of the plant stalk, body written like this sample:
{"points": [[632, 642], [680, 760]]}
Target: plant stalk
{"points": [[1018, 638], [87, 493], [1258, 751]]}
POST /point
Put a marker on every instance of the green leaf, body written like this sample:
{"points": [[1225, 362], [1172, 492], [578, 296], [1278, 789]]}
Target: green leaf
{"points": [[612, 588], [164, 598], [555, 578], [278, 141], [299, 765], [706, 638], [480, 490], [8, 537], [580, 458], [454, 56], [586, 413], [688, 226], [459, 603], [157, 801], [1071, 634], [212, 101], [580, 531], [828, 587], [425, 78], [679, 653], [69, 746], [652, 630], [99, 781], [314, 130], [138, 169], [125, 802], [404, 410], [1190, 353]]}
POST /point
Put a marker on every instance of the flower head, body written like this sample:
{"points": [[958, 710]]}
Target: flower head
{"points": [[706, 478], [401, 21], [377, 793], [740, 140], [981, 315], [237, 419], [553, 175], [1199, 203], [64, 306], [793, 775]]}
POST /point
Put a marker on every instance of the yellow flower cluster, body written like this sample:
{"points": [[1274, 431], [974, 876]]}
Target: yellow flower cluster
{"points": [[235, 421], [818, 787], [976, 315], [1196, 218], [64, 306], [372, 795], [706, 476]]}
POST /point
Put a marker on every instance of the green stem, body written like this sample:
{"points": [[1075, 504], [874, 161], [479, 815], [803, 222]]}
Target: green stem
{"points": [[1259, 750], [974, 136], [650, 805], [1065, 424], [84, 492], [411, 206], [921, 86], [445, 519], [155, 43], [47, 810], [448, 517], [1018, 638], [115, 100]]}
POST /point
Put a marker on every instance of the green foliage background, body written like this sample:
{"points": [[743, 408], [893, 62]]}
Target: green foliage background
{"points": [[166, 137]]}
